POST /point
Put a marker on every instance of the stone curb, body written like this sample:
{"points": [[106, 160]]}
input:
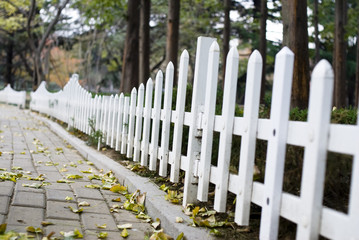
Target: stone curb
{"points": [[156, 205]]}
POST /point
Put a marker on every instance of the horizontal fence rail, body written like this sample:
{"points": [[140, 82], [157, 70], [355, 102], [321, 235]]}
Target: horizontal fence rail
{"points": [[11, 96], [139, 126]]}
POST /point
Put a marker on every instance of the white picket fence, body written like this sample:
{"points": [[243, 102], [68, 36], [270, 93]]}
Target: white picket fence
{"points": [[10, 96], [132, 126]]}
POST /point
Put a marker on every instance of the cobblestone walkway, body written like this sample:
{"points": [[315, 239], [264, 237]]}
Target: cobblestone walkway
{"points": [[29, 148]]}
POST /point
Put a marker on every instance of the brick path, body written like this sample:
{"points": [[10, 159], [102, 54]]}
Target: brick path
{"points": [[27, 143]]}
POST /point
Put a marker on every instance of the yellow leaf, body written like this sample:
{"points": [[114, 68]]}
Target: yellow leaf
{"points": [[103, 226], [124, 233], [118, 189], [125, 226]]}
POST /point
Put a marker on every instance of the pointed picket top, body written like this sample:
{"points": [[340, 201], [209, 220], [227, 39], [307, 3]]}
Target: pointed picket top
{"points": [[214, 47], [184, 55], [141, 87], [122, 95], [170, 66], [159, 76], [323, 70], [149, 83], [116, 96], [255, 58], [134, 91], [285, 51], [233, 53]]}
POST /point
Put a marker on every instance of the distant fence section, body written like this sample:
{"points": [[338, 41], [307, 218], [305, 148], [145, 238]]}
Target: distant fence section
{"points": [[139, 126], [10, 96]]}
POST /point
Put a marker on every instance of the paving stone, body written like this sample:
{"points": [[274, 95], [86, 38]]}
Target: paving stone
{"points": [[88, 193], [61, 226], [5, 163], [92, 235], [30, 199], [61, 210], [51, 176], [59, 186], [59, 195], [4, 204], [6, 188], [96, 206], [41, 168], [26, 216], [90, 220], [19, 187], [2, 218]]}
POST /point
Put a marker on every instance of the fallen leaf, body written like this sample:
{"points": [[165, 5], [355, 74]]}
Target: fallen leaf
{"points": [[3, 228], [83, 204], [116, 200], [123, 226], [73, 176], [67, 198], [179, 220], [93, 186], [103, 226], [46, 223], [124, 233], [33, 230], [156, 224], [102, 235], [87, 171], [80, 210], [119, 189], [64, 181], [180, 236]]}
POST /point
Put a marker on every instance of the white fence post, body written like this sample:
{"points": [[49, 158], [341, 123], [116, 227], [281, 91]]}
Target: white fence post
{"points": [[282, 85], [146, 123], [194, 141], [204, 167], [248, 142], [131, 126], [138, 128], [167, 107], [225, 140], [314, 162], [175, 158], [156, 117]]}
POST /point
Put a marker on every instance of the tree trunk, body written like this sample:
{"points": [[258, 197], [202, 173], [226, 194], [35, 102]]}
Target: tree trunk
{"points": [[295, 36], [226, 36], [356, 103], [173, 34], [263, 44], [9, 58], [130, 69], [145, 41], [339, 55], [316, 32]]}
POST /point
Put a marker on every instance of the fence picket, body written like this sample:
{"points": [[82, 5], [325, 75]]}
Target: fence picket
{"points": [[114, 118], [126, 109], [165, 137], [146, 123], [109, 120], [314, 162], [248, 142], [282, 85], [175, 160], [225, 140], [119, 121], [138, 128], [156, 117], [131, 126], [208, 122]]}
